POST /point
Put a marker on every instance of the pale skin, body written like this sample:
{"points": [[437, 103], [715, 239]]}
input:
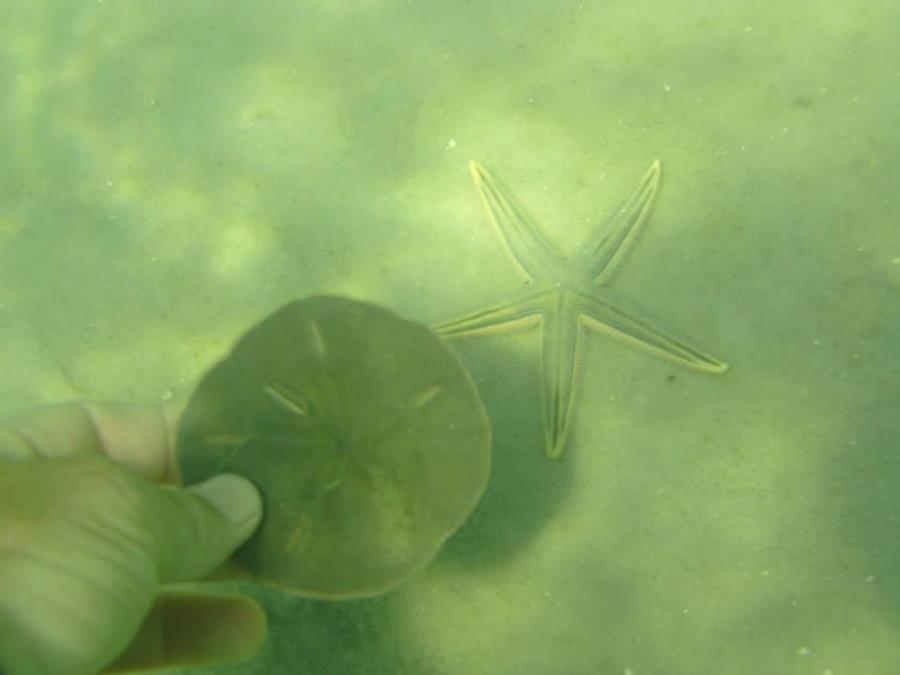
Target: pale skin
{"points": [[93, 527]]}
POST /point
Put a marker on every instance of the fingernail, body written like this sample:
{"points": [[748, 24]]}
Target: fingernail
{"points": [[236, 498]]}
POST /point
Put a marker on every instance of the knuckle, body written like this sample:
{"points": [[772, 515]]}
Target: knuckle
{"points": [[94, 481]]}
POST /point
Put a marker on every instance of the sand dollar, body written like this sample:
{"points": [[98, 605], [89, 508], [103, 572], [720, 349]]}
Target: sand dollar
{"points": [[364, 433]]}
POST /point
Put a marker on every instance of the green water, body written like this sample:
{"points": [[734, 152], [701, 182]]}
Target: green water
{"points": [[173, 172]]}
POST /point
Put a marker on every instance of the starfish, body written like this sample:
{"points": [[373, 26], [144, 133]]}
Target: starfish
{"points": [[565, 294]]}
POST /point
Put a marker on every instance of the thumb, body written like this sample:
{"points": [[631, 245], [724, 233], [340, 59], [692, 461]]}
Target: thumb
{"points": [[195, 529]]}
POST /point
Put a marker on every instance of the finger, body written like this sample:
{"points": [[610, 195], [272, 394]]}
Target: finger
{"points": [[195, 529], [140, 437], [191, 531], [84, 544], [184, 630]]}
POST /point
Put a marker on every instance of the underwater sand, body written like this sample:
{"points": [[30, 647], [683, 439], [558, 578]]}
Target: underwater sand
{"points": [[173, 172]]}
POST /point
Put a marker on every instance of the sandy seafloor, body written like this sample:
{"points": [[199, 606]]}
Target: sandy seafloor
{"points": [[172, 172]]}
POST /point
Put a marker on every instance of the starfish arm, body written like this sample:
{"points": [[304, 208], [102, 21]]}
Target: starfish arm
{"points": [[534, 255], [608, 313], [496, 317], [560, 360], [599, 258]]}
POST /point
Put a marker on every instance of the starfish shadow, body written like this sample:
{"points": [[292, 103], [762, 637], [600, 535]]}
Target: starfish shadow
{"points": [[568, 294]]}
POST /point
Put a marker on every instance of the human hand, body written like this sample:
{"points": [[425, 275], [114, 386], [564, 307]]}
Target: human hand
{"points": [[92, 523]]}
